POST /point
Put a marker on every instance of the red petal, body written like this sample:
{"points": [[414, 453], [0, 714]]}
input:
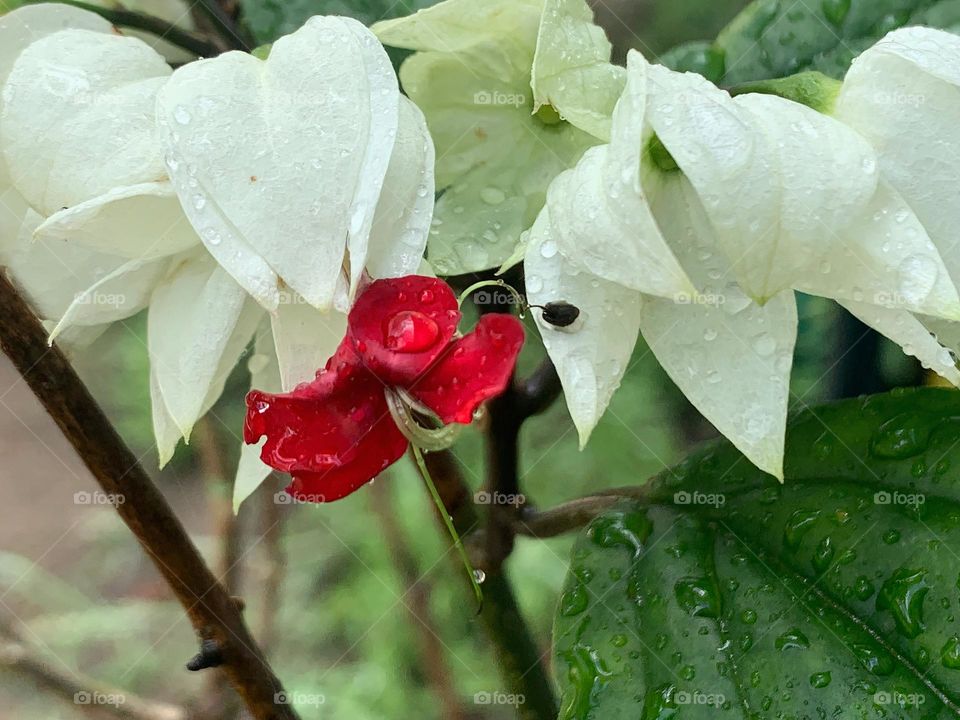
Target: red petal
{"points": [[400, 326], [335, 432], [477, 368]]}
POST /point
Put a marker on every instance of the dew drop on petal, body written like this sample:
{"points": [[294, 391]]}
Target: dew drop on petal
{"points": [[410, 331]]}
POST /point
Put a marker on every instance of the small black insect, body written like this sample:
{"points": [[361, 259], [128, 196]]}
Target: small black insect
{"points": [[560, 314]]}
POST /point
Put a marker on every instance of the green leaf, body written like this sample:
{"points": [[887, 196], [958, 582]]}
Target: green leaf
{"points": [[776, 38], [271, 19], [834, 595]]}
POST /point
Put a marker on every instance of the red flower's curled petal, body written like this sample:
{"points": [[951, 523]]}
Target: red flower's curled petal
{"points": [[399, 327], [333, 434], [477, 368]]}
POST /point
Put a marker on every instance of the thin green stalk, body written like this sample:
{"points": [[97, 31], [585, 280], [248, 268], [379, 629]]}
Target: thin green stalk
{"points": [[448, 521]]}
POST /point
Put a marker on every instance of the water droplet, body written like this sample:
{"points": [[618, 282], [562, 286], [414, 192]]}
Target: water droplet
{"points": [[548, 249], [793, 638], [199, 201], [573, 601], [410, 331], [479, 576], [697, 597], [950, 653], [181, 115], [492, 195], [902, 436], [820, 679], [903, 594]]}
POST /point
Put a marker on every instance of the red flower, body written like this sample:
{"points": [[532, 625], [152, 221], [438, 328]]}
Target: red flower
{"points": [[336, 433]]}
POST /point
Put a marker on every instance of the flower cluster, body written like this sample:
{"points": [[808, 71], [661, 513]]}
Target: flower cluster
{"points": [[704, 213]]}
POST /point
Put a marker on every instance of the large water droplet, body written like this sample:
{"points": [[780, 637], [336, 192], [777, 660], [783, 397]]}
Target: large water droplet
{"points": [[902, 436], [410, 331], [697, 597], [903, 594]]}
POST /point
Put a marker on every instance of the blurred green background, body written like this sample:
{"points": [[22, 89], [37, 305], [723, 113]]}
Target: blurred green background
{"points": [[321, 585]]}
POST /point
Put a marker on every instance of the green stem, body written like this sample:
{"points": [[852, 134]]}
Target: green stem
{"points": [[448, 521], [155, 26]]}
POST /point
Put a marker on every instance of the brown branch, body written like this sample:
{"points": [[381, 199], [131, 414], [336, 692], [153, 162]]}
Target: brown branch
{"points": [[215, 616], [272, 517], [574, 514], [85, 693], [519, 659], [417, 589]]}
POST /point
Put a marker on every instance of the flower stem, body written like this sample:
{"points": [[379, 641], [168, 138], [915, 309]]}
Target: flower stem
{"points": [[448, 521], [189, 41]]}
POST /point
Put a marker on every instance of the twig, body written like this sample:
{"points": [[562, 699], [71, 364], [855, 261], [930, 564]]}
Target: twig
{"points": [[222, 23], [271, 523], [185, 39], [575, 514], [418, 607], [214, 615], [519, 659], [85, 693], [219, 701]]}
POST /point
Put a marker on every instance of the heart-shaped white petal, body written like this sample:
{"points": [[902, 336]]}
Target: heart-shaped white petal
{"points": [[591, 355], [903, 95], [402, 221], [77, 95], [199, 324], [611, 233], [279, 163]]}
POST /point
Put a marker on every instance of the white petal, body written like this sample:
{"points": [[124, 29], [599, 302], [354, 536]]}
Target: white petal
{"points": [[402, 222], [264, 375], [905, 329], [903, 95], [592, 355], [285, 159], [77, 95], [572, 70], [730, 356], [135, 221], [611, 232], [199, 324], [165, 431], [120, 294], [305, 338]]}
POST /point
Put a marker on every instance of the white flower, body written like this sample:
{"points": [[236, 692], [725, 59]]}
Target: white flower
{"points": [[903, 96], [300, 173], [756, 196]]}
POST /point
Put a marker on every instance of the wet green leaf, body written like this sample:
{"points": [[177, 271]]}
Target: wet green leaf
{"points": [[834, 595], [776, 38]]}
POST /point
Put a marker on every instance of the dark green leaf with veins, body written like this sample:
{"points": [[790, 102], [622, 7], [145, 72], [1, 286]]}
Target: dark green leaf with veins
{"points": [[834, 595]]}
